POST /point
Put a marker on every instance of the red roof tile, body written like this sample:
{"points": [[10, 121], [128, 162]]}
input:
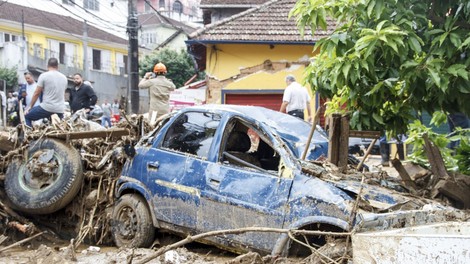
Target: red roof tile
{"points": [[266, 23]]}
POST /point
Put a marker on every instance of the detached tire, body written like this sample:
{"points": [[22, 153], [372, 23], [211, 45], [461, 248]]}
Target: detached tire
{"points": [[132, 224], [47, 180]]}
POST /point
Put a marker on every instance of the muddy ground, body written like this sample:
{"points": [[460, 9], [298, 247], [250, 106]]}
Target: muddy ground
{"points": [[41, 252]]}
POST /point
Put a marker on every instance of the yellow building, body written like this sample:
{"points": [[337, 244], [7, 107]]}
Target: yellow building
{"points": [[247, 56], [53, 35]]}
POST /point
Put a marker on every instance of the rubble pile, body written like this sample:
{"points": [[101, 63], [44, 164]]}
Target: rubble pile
{"points": [[86, 218], [103, 153]]}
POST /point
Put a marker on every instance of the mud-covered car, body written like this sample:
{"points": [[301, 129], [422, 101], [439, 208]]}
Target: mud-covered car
{"points": [[225, 167]]}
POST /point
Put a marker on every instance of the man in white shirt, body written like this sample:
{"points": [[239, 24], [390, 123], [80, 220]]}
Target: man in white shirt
{"points": [[30, 88], [295, 99]]}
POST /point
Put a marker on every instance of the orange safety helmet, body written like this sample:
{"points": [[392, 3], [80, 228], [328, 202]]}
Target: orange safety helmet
{"points": [[159, 68]]}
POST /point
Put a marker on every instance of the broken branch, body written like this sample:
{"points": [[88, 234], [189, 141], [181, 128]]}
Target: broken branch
{"points": [[21, 241]]}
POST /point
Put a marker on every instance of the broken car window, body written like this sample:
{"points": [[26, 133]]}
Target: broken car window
{"points": [[245, 147], [192, 133]]}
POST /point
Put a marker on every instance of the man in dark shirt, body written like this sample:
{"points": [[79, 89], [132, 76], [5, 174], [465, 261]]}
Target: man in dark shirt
{"points": [[82, 96]]}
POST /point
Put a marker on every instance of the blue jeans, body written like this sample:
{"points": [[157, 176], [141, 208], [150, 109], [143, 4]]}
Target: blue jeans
{"points": [[37, 113], [104, 120]]}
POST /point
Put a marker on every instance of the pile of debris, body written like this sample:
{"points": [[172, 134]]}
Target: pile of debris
{"points": [[102, 151], [102, 155]]}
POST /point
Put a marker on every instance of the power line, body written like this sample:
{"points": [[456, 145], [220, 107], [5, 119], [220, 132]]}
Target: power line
{"points": [[88, 12], [92, 23], [164, 17], [64, 30]]}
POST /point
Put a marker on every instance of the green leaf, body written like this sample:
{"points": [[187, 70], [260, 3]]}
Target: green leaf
{"points": [[455, 39], [378, 118], [414, 44], [435, 77], [443, 38], [346, 67], [465, 43], [375, 88], [370, 8], [458, 70]]}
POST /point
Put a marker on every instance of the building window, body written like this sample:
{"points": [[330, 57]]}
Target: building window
{"points": [[37, 49], [177, 7], [92, 5], [7, 37], [62, 53], [161, 4], [149, 38], [96, 59]]}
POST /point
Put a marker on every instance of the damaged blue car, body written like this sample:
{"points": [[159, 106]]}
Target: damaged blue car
{"points": [[220, 167]]}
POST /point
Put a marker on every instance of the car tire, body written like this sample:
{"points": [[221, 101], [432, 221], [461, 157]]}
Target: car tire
{"points": [[132, 224], [47, 181]]}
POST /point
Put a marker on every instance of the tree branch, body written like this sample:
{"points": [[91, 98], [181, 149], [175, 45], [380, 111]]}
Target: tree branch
{"points": [[190, 239]]}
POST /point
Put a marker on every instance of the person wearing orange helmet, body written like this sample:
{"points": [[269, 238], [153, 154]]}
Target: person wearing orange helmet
{"points": [[159, 89]]}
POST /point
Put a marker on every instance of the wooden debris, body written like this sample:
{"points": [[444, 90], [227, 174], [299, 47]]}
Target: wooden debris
{"points": [[455, 190], [109, 133], [404, 175], [433, 153], [21, 242]]}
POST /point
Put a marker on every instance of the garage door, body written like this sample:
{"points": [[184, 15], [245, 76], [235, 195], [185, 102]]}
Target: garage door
{"points": [[271, 101]]}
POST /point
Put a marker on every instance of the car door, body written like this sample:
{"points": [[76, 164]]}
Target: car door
{"points": [[172, 175], [244, 189]]}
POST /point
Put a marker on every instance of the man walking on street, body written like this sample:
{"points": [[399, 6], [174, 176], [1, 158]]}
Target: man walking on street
{"points": [[82, 96], [51, 85], [295, 99], [107, 112], [159, 89]]}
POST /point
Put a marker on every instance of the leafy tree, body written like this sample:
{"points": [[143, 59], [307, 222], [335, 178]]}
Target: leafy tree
{"points": [[10, 76], [388, 59], [180, 65]]}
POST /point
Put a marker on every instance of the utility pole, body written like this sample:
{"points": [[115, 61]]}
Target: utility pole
{"points": [[85, 51], [133, 56]]}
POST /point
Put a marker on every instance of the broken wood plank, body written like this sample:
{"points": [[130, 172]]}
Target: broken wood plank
{"points": [[364, 134], [455, 191], [343, 144], [21, 242], [312, 131], [334, 135], [436, 162], [405, 177], [369, 149], [108, 133]]}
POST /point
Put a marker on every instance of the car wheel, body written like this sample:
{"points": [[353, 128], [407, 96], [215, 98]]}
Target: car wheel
{"points": [[47, 180], [132, 223]]}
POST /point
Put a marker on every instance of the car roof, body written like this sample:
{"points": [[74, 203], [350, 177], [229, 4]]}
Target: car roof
{"points": [[290, 128]]}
